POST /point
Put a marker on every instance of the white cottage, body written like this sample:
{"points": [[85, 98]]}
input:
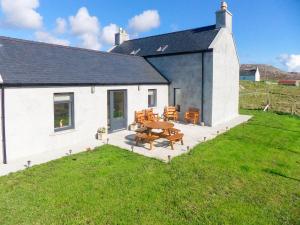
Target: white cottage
{"points": [[54, 98], [250, 74]]}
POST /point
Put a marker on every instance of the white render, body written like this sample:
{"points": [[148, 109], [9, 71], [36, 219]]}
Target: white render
{"points": [[225, 84], [30, 117]]}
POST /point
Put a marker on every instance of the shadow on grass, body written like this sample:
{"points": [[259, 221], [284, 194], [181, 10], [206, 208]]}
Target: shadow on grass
{"points": [[275, 172]]}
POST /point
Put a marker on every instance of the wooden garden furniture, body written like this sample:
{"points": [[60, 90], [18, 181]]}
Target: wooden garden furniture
{"points": [[170, 113], [140, 117], [175, 138], [151, 116], [163, 125], [141, 130], [169, 132], [192, 115], [146, 137]]}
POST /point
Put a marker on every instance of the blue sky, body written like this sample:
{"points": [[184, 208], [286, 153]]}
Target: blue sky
{"points": [[266, 31]]}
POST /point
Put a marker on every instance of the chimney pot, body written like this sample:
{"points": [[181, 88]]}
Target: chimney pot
{"points": [[224, 6]]}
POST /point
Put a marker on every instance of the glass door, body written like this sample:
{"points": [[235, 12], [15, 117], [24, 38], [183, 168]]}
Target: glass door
{"points": [[117, 110]]}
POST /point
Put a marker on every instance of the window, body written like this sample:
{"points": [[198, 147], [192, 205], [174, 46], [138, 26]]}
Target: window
{"points": [[162, 48], [134, 52], [152, 96], [63, 111]]}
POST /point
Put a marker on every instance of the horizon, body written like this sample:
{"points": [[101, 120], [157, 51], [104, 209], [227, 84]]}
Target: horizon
{"points": [[268, 39]]}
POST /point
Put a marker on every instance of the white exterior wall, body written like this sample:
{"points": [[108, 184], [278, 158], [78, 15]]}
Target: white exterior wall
{"points": [[257, 75], [225, 87], [30, 116]]}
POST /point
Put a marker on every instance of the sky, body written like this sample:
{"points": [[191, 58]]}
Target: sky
{"points": [[265, 31]]}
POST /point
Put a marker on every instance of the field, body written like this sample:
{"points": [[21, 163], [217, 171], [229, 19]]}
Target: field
{"points": [[250, 175], [256, 95]]}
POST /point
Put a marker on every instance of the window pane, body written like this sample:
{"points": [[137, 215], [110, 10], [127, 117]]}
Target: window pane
{"points": [[61, 98], [152, 98], [63, 105], [118, 104]]}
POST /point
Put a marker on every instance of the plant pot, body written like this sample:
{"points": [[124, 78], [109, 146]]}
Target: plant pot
{"points": [[101, 136], [133, 127]]}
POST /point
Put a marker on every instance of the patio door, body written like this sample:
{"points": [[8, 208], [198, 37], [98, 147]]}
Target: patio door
{"points": [[117, 110]]}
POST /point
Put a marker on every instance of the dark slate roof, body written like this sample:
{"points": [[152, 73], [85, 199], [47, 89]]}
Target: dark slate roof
{"points": [[27, 62], [191, 40]]}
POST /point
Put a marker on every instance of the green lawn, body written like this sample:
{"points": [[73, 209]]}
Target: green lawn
{"points": [[250, 175]]}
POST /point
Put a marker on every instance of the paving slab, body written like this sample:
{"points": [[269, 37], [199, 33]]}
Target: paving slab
{"points": [[193, 135]]}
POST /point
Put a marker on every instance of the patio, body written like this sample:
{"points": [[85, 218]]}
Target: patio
{"points": [[193, 135]]}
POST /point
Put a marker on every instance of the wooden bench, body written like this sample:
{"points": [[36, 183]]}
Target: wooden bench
{"points": [[192, 115], [144, 137], [141, 130], [170, 113], [175, 138]]}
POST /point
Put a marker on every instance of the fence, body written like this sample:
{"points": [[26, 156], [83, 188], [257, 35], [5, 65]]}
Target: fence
{"points": [[276, 101]]}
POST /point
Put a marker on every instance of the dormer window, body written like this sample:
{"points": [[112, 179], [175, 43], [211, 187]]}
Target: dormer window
{"points": [[134, 52], [162, 48]]}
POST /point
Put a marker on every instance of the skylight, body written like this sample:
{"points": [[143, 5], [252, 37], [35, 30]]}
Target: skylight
{"points": [[134, 52], [162, 48]]}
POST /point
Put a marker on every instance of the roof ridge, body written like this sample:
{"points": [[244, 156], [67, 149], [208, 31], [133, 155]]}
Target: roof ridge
{"points": [[205, 28], [66, 47]]}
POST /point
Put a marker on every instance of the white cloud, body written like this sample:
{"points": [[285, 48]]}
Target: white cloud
{"points": [[22, 13], [61, 25], [145, 21], [90, 41], [292, 62], [87, 28], [108, 33], [48, 38]]}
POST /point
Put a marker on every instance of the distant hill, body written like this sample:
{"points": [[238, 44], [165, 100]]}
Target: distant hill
{"points": [[268, 72]]}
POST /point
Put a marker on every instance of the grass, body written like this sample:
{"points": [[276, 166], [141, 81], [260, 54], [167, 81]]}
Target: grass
{"points": [[250, 175], [256, 95]]}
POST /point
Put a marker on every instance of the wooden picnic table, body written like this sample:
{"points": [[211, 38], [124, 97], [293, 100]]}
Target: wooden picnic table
{"points": [[163, 125], [170, 133]]}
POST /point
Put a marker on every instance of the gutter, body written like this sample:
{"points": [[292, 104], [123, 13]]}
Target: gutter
{"points": [[3, 121]]}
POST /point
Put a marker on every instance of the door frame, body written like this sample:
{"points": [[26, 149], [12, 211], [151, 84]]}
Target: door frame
{"points": [[109, 113], [174, 95]]}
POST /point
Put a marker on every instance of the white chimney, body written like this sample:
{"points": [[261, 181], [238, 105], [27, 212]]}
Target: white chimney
{"points": [[121, 36], [224, 17]]}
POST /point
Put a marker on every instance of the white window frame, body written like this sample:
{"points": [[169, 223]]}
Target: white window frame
{"points": [[62, 98]]}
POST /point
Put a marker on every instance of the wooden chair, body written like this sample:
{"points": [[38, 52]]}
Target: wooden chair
{"points": [[192, 115], [175, 138], [145, 137], [140, 117], [151, 116], [170, 113]]}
